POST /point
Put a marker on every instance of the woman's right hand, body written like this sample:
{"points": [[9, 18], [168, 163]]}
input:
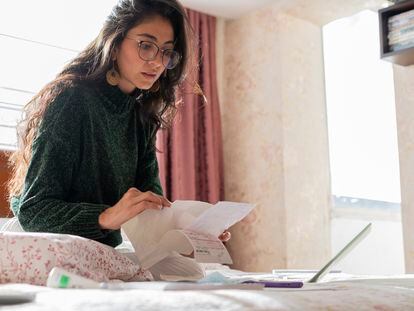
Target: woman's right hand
{"points": [[132, 203]]}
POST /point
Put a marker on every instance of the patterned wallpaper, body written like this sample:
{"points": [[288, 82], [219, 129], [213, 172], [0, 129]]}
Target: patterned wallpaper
{"points": [[275, 140], [404, 99]]}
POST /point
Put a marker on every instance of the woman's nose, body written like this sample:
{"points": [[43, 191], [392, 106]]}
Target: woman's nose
{"points": [[157, 61]]}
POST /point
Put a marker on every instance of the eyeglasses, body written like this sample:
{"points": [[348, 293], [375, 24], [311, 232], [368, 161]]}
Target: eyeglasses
{"points": [[148, 50]]}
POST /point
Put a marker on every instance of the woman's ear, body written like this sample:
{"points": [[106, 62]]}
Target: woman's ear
{"points": [[114, 54]]}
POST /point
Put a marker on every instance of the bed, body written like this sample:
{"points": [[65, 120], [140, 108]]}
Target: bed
{"points": [[363, 294], [27, 258]]}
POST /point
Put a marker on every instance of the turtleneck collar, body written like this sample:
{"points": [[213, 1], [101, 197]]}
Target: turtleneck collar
{"points": [[114, 93], [118, 99]]}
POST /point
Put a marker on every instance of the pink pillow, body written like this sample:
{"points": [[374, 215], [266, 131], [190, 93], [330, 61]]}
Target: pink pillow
{"points": [[28, 257]]}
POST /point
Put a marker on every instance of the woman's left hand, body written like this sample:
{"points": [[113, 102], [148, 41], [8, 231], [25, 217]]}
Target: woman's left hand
{"points": [[225, 236]]}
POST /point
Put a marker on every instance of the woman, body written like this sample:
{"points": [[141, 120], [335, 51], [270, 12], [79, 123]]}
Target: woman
{"points": [[86, 161]]}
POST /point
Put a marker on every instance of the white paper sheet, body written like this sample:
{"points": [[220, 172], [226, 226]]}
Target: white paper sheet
{"points": [[220, 217]]}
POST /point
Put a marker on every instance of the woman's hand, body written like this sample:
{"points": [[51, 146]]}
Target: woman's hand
{"points": [[132, 203], [225, 236]]}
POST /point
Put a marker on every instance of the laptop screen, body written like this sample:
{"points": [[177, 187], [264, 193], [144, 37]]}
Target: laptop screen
{"points": [[341, 254]]}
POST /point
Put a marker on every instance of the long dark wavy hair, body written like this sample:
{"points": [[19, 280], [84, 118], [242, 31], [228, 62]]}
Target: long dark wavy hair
{"points": [[91, 66]]}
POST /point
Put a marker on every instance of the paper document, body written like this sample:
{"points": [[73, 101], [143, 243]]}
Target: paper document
{"points": [[207, 248], [189, 228], [220, 217]]}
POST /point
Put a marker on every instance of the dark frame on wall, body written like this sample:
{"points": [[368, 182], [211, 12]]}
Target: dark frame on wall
{"points": [[403, 56], [5, 174]]}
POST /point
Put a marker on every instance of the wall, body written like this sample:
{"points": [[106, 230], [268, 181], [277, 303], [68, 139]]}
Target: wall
{"points": [[275, 140], [404, 99]]}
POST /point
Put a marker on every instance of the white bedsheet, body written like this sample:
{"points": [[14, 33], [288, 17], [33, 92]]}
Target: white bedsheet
{"points": [[372, 294]]}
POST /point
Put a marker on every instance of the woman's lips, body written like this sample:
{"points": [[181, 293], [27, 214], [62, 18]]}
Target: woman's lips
{"points": [[149, 76]]}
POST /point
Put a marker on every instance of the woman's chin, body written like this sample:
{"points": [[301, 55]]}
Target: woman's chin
{"points": [[144, 86]]}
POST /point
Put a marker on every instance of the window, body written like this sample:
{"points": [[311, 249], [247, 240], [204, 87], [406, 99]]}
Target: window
{"points": [[363, 144], [38, 38]]}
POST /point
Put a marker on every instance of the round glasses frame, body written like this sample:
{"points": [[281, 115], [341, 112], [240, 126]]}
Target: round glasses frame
{"points": [[168, 61]]}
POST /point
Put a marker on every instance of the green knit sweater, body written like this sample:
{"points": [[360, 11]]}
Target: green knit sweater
{"points": [[90, 149]]}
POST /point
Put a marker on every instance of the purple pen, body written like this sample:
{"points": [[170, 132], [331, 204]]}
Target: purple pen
{"points": [[278, 284]]}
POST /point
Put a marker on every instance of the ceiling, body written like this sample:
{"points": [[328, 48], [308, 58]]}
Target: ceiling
{"points": [[226, 8], [317, 11]]}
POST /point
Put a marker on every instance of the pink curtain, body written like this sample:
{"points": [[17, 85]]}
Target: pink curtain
{"points": [[191, 159]]}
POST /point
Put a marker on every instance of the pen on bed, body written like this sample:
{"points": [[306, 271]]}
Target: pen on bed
{"points": [[277, 284]]}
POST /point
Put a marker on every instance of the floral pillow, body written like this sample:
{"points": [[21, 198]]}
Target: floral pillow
{"points": [[28, 257]]}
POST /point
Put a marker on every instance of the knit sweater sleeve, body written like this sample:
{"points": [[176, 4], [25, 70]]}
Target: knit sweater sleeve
{"points": [[45, 205]]}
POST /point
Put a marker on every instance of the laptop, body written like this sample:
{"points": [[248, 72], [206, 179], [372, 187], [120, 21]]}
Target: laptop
{"points": [[338, 257], [341, 254], [274, 281]]}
